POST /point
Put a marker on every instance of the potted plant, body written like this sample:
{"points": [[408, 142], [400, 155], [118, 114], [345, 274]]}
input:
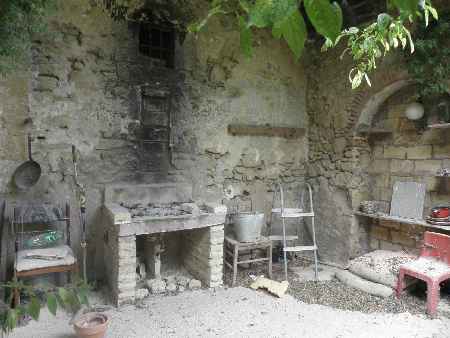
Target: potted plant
{"points": [[73, 298]]}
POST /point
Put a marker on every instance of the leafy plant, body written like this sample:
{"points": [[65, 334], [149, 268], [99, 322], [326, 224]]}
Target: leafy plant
{"points": [[374, 41], [70, 297], [19, 21], [284, 19], [430, 64]]}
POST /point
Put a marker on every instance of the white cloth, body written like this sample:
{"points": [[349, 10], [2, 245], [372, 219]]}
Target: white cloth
{"points": [[57, 256]]}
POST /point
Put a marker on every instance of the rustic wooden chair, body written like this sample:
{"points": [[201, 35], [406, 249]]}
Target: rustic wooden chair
{"points": [[432, 267], [31, 262]]}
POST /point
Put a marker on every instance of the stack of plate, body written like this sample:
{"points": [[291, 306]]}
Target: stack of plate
{"points": [[438, 221]]}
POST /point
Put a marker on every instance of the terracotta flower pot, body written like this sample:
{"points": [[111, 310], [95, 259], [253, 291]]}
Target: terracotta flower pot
{"points": [[91, 325]]}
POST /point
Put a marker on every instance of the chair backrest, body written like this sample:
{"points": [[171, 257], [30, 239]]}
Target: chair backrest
{"points": [[436, 245]]}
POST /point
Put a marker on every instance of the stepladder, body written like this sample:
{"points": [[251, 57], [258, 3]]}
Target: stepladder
{"points": [[301, 209]]}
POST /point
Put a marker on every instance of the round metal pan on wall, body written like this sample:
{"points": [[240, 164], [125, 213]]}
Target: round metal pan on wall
{"points": [[28, 173]]}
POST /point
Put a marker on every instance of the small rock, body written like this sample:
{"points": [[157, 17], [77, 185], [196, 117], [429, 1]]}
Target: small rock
{"points": [[171, 287], [194, 284], [156, 286], [181, 288], [141, 294], [182, 281]]}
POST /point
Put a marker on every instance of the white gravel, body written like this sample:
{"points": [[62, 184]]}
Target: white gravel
{"points": [[241, 312]]}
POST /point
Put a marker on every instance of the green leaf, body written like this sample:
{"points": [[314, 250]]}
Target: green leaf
{"points": [[64, 296], [293, 30], [384, 20], [34, 308], [52, 304], [264, 13], [11, 319], [325, 17]]}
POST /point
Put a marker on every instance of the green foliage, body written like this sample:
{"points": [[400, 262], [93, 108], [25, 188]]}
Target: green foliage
{"points": [[430, 64], [19, 21], [365, 45], [70, 298], [325, 17], [368, 44]]}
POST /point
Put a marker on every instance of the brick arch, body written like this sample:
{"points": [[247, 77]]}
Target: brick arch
{"points": [[366, 102]]}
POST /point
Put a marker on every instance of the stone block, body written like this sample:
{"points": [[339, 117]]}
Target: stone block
{"points": [[378, 152], [429, 167], [402, 166], [385, 245], [419, 153], [379, 232], [394, 152], [403, 238], [389, 224], [441, 151], [380, 166], [374, 244]]}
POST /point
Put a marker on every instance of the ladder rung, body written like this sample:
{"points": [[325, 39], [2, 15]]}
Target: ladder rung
{"points": [[292, 213], [300, 248], [280, 238]]}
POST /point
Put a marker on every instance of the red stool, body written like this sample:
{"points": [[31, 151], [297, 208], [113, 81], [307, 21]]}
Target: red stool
{"points": [[432, 266]]}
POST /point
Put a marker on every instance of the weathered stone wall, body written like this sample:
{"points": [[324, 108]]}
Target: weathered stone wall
{"points": [[348, 165], [80, 89]]}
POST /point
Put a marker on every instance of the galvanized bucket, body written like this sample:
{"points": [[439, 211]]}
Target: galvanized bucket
{"points": [[248, 226]]}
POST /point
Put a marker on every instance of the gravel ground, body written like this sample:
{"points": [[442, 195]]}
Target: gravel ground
{"points": [[241, 312], [340, 296]]}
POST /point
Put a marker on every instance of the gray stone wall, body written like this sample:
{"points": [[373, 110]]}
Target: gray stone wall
{"points": [[80, 89]]}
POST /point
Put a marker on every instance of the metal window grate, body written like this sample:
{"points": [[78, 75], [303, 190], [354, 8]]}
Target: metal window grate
{"points": [[157, 43]]}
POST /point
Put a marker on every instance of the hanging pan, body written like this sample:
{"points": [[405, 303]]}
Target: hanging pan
{"points": [[28, 173]]}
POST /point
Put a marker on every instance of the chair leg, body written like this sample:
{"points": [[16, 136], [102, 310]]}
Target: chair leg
{"points": [[433, 296], [269, 257], [400, 283], [235, 265]]}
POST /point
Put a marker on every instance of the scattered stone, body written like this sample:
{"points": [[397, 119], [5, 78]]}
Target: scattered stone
{"points": [[182, 281], [141, 294], [156, 286], [171, 287], [194, 284], [181, 288]]}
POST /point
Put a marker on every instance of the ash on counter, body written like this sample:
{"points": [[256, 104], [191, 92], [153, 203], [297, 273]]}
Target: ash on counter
{"points": [[155, 209]]}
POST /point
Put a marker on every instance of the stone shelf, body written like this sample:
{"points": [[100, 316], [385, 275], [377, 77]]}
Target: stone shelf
{"points": [[411, 221], [439, 126]]}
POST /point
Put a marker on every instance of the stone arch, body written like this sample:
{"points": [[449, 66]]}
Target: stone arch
{"points": [[366, 102]]}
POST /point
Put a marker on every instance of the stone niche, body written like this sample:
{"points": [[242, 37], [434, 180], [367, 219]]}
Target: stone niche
{"points": [[406, 152]]}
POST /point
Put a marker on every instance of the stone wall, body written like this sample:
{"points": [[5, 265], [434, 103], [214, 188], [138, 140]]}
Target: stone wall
{"points": [[348, 165], [80, 89]]}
